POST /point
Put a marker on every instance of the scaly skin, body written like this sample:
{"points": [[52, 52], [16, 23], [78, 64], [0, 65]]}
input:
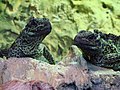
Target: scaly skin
{"points": [[99, 48], [28, 43]]}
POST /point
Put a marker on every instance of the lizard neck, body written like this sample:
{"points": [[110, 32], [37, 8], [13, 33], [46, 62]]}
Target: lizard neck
{"points": [[25, 41]]}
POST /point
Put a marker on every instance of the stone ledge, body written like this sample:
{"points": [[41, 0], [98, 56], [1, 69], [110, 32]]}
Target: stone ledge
{"points": [[59, 76]]}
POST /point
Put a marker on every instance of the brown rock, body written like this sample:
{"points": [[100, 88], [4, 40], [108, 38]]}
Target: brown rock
{"points": [[104, 79], [22, 85], [105, 82], [27, 69], [1, 87], [71, 75], [1, 70], [65, 86]]}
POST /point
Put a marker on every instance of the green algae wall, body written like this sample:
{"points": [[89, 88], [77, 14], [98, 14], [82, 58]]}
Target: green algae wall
{"points": [[67, 18]]}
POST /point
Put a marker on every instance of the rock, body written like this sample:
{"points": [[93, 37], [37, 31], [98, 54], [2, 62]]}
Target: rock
{"points": [[104, 79], [27, 69], [106, 82], [20, 72], [1, 70], [65, 86], [31, 85]]}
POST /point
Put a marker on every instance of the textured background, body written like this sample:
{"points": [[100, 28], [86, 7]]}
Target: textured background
{"points": [[67, 18]]}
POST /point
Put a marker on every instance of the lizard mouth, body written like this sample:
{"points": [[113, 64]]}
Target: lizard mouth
{"points": [[39, 27], [44, 30], [44, 27], [86, 45], [87, 42], [87, 39]]}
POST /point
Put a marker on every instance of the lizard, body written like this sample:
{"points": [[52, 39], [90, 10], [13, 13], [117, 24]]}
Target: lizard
{"points": [[29, 41], [99, 48]]}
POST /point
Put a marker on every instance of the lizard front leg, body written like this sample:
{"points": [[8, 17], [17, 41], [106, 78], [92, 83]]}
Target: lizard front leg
{"points": [[48, 56], [44, 54]]}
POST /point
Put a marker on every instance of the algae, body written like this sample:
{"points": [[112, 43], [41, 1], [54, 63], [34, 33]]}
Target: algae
{"points": [[67, 18]]}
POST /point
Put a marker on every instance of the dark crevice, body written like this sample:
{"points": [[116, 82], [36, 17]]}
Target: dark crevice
{"points": [[106, 6]]}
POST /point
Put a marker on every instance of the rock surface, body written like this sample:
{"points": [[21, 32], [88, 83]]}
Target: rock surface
{"points": [[27, 69], [21, 72], [31, 85]]}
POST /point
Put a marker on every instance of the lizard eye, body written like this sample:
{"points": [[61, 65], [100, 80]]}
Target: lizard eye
{"points": [[92, 36]]}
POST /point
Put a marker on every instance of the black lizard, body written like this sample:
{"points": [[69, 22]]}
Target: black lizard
{"points": [[99, 48], [28, 43]]}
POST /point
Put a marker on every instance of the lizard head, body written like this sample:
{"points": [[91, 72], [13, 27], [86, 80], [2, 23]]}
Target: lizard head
{"points": [[38, 27], [87, 41]]}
